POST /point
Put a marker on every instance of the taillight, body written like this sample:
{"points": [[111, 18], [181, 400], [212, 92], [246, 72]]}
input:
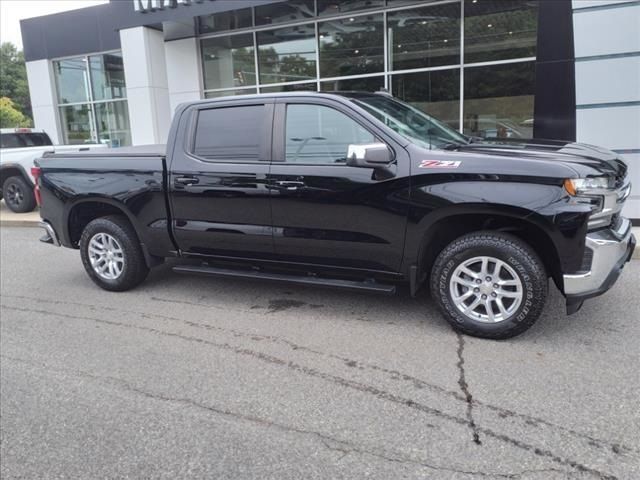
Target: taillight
{"points": [[35, 171]]}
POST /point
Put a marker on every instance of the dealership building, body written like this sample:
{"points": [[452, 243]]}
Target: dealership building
{"points": [[558, 69]]}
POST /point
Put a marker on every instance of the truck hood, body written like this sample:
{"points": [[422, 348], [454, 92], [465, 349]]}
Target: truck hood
{"points": [[584, 159]]}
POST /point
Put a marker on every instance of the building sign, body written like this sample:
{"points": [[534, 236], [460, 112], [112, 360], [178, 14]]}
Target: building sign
{"points": [[144, 6]]}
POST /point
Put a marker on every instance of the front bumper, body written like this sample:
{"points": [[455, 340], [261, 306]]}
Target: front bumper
{"points": [[612, 249]]}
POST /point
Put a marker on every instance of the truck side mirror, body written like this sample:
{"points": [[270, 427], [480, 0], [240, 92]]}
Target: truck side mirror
{"points": [[370, 155]]}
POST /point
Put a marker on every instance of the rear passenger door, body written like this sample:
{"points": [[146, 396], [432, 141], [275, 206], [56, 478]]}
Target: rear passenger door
{"points": [[218, 180]]}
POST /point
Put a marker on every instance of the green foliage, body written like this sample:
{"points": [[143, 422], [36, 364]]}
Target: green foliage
{"points": [[11, 117], [13, 78]]}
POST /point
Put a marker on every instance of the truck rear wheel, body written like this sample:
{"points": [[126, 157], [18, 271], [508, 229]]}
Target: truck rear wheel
{"points": [[489, 285], [18, 195], [111, 254]]}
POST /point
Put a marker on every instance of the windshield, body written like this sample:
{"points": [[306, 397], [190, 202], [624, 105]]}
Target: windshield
{"points": [[410, 122]]}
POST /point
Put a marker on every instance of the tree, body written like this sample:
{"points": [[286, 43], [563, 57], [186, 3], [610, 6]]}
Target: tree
{"points": [[10, 117], [13, 78]]}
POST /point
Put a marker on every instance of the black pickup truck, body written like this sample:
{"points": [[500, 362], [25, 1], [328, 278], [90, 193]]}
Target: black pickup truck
{"points": [[352, 190]]}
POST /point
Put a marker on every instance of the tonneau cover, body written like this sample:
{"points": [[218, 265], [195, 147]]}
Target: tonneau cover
{"points": [[155, 150]]}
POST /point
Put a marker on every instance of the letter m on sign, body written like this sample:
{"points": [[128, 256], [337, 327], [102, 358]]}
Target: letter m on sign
{"points": [[152, 5]]}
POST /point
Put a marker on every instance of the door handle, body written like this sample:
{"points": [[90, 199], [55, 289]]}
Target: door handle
{"points": [[185, 180], [289, 184]]}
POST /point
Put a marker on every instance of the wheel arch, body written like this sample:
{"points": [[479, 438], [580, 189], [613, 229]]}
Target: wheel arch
{"points": [[80, 213], [11, 170], [526, 225]]}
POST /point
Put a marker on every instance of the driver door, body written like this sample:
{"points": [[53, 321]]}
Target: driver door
{"points": [[324, 211]]}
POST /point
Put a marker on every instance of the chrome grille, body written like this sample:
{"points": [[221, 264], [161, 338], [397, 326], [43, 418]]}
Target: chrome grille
{"points": [[612, 204]]}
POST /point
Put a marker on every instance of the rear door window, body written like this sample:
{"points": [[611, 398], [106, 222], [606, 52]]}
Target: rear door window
{"points": [[21, 140], [10, 140], [230, 134]]}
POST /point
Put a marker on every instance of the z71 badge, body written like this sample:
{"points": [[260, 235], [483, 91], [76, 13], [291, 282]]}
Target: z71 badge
{"points": [[439, 164]]}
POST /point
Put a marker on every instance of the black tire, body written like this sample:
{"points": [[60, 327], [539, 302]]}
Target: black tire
{"points": [[518, 256], [134, 269], [18, 195]]}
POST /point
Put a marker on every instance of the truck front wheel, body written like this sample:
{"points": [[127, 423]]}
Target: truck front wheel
{"points": [[489, 285], [111, 254], [18, 195]]}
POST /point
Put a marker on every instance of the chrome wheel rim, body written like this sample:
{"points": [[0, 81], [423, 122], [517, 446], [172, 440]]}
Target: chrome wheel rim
{"points": [[486, 289], [106, 256]]}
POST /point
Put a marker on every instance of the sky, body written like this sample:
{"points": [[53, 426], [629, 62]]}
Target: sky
{"points": [[12, 11]]}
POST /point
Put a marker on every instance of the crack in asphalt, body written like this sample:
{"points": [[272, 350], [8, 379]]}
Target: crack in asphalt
{"points": [[312, 372], [464, 387], [530, 420], [342, 446]]}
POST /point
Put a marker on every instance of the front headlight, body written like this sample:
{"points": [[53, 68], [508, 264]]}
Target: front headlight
{"points": [[575, 186]]}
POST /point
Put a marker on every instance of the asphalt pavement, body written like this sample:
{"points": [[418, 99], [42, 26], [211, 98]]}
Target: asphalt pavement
{"points": [[194, 377]]}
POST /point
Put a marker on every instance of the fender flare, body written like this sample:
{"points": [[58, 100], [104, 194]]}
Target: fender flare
{"points": [[150, 260], [68, 208], [426, 230], [23, 173]]}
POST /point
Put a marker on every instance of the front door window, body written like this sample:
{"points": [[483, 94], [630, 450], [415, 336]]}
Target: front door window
{"points": [[316, 134]]}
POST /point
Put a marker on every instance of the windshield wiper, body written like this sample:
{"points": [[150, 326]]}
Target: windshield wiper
{"points": [[453, 145], [456, 145]]}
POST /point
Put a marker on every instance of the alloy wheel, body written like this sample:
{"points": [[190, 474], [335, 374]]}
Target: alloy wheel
{"points": [[486, 289], [15, 195], [106, 256]]}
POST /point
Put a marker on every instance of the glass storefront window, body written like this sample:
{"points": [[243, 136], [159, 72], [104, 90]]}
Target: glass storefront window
{"points": [[113, 123], [307, 49], [228, 61], [351, 46], [296, 87], [368, 84], [77, 124], [337, 7], [287, 54], [230, 20], [95, 86], [424, 37], [499, 29], [107, 76], [324, 44], [290, 11], [498, 100], [229, 93], [435, 93], [72, 80]]}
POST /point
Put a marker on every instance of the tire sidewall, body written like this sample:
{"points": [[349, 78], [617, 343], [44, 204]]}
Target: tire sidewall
{"points": [[28, 198], [530, 277]]}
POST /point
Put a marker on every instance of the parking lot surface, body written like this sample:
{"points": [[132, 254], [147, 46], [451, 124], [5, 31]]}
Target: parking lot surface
{"points": [[193, 377]]}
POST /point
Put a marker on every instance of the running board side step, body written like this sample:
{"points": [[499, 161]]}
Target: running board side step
{"points": [[366, 286]]}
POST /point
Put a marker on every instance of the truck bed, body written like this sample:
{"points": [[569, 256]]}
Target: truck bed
{"points": [[132, 180]]}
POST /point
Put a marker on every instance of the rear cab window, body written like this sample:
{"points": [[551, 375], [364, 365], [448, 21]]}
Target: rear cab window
{"points": [[230, 134]]}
